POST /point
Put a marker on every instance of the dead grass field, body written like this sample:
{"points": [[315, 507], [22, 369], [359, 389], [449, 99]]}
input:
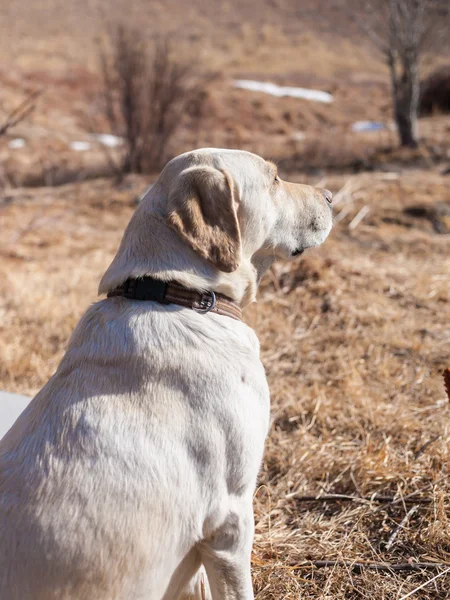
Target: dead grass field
{"points": [[54, 46], [354, 338]]}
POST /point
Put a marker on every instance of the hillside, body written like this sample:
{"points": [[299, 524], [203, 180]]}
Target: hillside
{"points": [[354, 335], [55, 47]]}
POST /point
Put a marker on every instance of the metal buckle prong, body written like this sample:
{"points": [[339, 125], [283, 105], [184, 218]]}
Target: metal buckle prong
{"points": [[207, 303]]}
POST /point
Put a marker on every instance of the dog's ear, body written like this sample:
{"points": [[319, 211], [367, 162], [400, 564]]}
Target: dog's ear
{"points": [[202, 209]]}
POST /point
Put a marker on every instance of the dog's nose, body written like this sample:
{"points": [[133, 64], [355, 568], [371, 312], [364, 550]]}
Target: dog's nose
{"points": [[328, 196]]}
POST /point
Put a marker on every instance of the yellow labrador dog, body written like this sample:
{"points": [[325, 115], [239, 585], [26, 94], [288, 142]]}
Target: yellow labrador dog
{"points": [[130, 475]]}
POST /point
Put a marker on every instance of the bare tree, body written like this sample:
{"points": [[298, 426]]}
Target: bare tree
{"points": [[401, 30], [149, 90]]}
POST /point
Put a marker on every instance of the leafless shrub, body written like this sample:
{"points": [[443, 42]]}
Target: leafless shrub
{"points": [[149, 92]]}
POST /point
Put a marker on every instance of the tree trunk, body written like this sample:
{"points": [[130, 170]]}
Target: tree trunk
{"points": [[406, 104], [406, 118], [406, 131], [405, 30]]}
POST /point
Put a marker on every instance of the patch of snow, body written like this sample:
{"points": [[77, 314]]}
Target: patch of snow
{"points": [[80, 146], [16, 144], [107, 139], [362, 126], [278, 90]]}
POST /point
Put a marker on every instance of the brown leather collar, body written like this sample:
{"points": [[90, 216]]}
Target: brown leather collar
{"points": [[147, 288]]}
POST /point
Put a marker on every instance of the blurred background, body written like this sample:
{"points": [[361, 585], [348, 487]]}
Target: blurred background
{"points": [[95, 97]]}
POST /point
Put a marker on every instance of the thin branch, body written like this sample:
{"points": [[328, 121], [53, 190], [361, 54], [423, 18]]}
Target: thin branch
{"points": [[400, 526], [370, 24], [360, 566], [425, 584], [344, 193], [347, 498], [422, 449], [359, 217], [23, 110], [407, 498]]}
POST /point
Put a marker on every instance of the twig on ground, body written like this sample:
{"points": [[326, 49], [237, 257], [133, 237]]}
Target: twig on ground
{"points": [[359, 566], [422, 449], [346, 498], [359, 217], [406, 499], [344, 192], [401, 525], [424, 584], [343, 213]]}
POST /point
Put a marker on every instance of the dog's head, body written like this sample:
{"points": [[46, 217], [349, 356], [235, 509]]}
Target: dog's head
{"points": [[230, 205], [234, 214]]}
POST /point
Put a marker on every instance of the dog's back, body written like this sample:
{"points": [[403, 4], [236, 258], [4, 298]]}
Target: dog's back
{"points": [[138, 460], [126, 458]]}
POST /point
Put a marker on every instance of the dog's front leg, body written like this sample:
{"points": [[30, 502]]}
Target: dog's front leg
{"points": [[226, 556]]}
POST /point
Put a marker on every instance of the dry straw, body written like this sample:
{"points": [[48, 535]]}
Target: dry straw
{"points": [[353, 342]]}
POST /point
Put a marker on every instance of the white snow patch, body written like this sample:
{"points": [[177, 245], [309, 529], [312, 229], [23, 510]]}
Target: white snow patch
{"points": [[80, 146], [107, 139], [362, 126], [277, 90], [16, 144]]}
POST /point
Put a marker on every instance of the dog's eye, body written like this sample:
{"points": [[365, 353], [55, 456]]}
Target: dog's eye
{"points": [[277, 179]]}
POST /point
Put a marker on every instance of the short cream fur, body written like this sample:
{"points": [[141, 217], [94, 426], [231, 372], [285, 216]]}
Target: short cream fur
{"points": [[131, 474]]}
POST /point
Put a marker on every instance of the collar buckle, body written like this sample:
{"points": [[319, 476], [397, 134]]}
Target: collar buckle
{"points": [[207, 303]]}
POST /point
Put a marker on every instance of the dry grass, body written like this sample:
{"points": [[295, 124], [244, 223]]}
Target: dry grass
{"points": [[354, 343], [282, 41], [354, 338]]}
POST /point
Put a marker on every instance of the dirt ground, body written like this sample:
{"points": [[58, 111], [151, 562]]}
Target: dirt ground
{"points": [[353, 496]]}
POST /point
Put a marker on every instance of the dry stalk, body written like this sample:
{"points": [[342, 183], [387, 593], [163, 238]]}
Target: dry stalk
{"points": [[422, 449], [400, 526], [425, 584], [345, 498], [359, 217], [406, 498], [358, 567]]}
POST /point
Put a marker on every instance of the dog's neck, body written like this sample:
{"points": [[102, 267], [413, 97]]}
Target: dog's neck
{"points": [[150, 247]]}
